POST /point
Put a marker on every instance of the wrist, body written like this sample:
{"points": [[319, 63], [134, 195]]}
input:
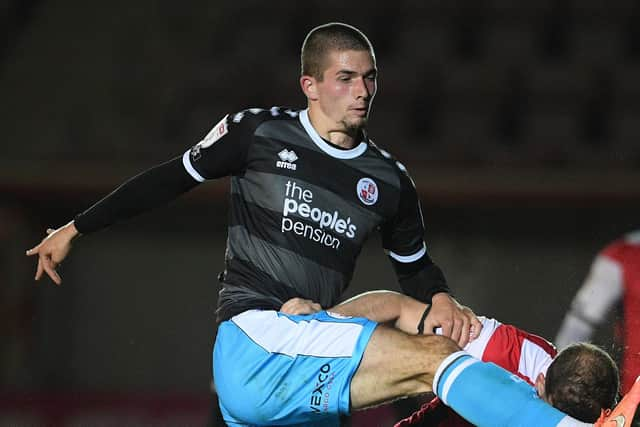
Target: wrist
{"points": [[72, 231], [440, 296], [425, 313]]}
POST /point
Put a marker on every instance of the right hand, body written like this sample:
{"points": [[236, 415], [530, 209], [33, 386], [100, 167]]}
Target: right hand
{"points": [[457, 322], [52, 250]]}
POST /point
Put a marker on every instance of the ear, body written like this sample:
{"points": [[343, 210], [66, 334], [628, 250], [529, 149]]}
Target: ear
{"points": [[309, 87], [540, 384]]}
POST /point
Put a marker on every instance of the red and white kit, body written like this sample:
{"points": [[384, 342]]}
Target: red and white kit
{"points": [[513, 349]]}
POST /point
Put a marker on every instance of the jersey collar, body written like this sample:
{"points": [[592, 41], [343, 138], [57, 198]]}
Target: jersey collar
{"points": [[332, 151]]}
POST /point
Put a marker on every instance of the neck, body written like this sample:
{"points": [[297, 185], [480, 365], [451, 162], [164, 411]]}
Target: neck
{"points": [[332, 131], [341, 139]]}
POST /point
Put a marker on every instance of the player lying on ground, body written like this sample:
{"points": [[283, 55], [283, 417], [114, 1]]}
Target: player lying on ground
{"points": [[581, 381]]}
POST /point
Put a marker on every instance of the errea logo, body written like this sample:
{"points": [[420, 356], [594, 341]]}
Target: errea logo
{"points": [[287, 159]]}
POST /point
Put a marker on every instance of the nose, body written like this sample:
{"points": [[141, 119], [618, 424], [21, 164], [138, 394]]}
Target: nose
{"points": [[363, 89]]}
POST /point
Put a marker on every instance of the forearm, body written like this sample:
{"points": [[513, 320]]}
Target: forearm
{"points": [[141, 193], [421, 279], [385, 306], [379, 306]]}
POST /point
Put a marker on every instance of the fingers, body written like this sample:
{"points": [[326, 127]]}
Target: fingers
{"points": [[39, 270], [50, 251], [50, 269], [45, 265], [33, 251], [36, 249], [288, 306], [476, 327], [292, 306], [300, 306], [456, 321], [431, 324], [456, 328], [465, 332]]}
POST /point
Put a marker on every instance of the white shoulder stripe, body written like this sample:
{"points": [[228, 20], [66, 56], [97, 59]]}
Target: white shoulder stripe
{"points": [[186, 162], [279, 334], [443, 367], [409, 258], [450, 376]]}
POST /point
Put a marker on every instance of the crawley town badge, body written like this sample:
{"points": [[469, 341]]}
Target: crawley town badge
{"points": [[367, 191]]}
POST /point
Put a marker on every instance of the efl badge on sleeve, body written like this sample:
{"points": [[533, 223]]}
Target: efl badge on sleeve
{"points": [[218, 131], [367, 191]]}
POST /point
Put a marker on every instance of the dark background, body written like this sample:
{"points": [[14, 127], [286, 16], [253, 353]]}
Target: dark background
{"points": [[517, 120]]}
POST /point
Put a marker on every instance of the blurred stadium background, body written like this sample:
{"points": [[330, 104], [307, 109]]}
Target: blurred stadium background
{"points": [[519, 121]]}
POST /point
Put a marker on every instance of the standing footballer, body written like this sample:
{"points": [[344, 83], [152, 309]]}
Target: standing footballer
{"points": [[307, 188]]}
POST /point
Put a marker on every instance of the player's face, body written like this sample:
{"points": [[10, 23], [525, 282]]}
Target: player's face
{"points": [[347, 89]]}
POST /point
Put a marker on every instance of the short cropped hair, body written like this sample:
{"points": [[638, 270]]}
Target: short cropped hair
{"points": [[321, 40], [582, 380]]}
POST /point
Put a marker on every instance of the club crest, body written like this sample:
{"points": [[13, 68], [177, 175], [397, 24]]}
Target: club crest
{"points": [[367, 191]]}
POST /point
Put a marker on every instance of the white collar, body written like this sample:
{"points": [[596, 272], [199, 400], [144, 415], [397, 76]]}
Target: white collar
{"points": [[324, 146]]}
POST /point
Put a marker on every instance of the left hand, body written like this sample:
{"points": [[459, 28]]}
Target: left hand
{"points": [[300, 306], [52, 250], [457, 322]]}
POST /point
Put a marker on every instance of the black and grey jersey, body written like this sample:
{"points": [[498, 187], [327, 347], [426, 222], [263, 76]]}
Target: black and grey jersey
{"points": [[301, 208]]}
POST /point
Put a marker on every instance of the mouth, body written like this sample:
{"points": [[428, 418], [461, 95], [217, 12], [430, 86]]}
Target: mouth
{"points": [[361, 111]]}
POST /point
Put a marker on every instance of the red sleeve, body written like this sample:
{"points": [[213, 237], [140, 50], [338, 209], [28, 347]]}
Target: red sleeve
{"points": [[505, 349], [615, 250]]}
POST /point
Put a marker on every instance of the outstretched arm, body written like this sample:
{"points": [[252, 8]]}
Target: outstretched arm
{"points": [[221, 153], [141, 193]]}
